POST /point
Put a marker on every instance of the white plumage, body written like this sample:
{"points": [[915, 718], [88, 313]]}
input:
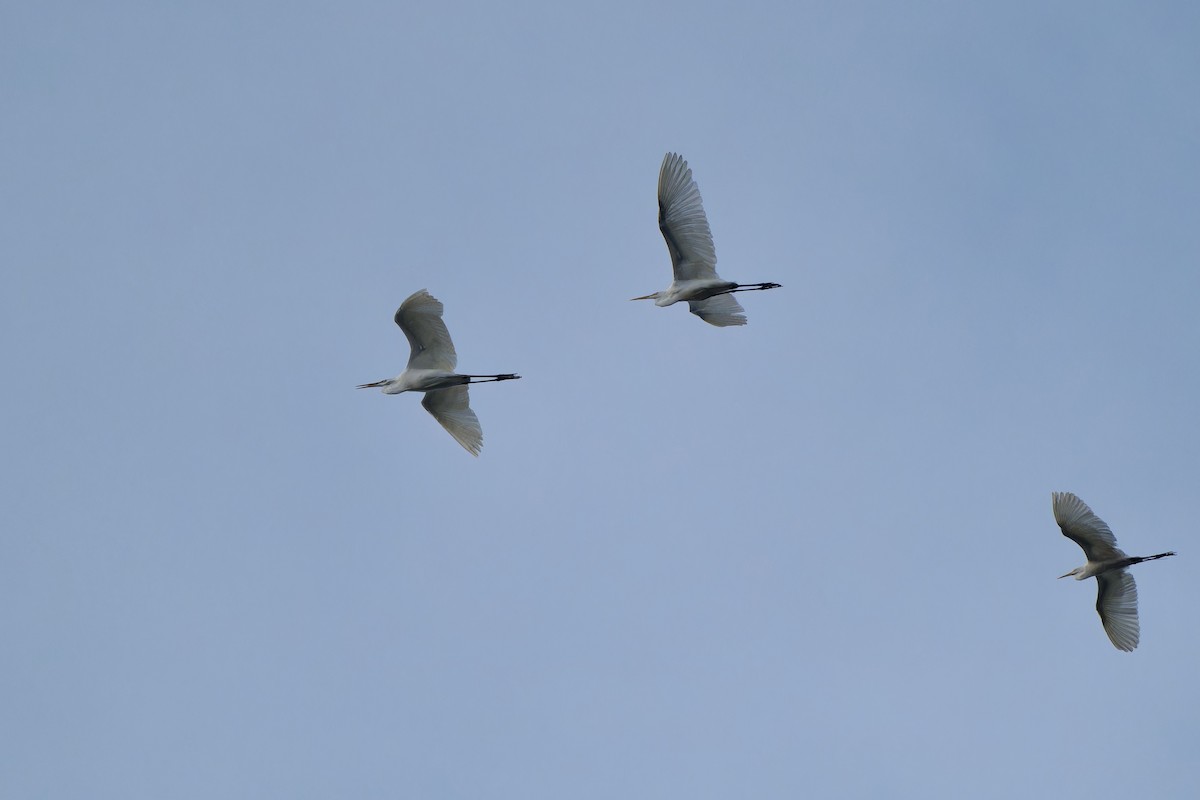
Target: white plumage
{"points": [[1116, 594], [431, 363], [685, 228]]}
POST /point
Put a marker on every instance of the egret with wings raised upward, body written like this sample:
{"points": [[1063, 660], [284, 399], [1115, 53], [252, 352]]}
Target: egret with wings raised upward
{"points": [[431, 370], [1116, 597], [693, 258]]}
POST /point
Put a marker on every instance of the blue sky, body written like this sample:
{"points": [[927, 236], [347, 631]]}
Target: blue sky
{"points": [[813, 556]]}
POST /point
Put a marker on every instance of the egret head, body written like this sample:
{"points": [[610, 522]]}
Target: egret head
{"points": [[394, 385], [1076, 572], [653, 296]]}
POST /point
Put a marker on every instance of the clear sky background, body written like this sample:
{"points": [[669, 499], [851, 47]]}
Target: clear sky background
{"points": [[810, 557]]}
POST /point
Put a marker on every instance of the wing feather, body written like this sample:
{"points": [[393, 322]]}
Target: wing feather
{"points": [[1083, 527], [721, 310], [683, 223], [451, 407], [420, 317], [1116, 602]]}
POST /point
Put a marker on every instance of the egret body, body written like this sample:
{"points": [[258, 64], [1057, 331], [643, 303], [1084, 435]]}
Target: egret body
{"points": [[431, 364], [684, 225], [1116, 597]]}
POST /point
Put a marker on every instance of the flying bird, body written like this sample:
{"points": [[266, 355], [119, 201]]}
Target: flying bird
{"points": [[1116, 597], [693, 258], [431, 370]]}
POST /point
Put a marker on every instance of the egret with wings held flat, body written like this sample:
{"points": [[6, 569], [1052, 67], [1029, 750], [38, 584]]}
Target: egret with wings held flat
{"points": [[693, 258], [1116, 597], [431, 370]]}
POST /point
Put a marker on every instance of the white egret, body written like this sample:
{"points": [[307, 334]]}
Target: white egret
{"points": [[693, 258], [431, 370], [1116, 597]]}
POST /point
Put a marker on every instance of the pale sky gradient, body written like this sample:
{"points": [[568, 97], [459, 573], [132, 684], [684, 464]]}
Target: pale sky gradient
{"points": [[810, 557]]}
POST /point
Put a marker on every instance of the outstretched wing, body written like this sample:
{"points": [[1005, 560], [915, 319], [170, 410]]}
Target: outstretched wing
{"points": [[420, 317], [683, 223], [720, 310], [1116, 602], [1081, 526], [451, 407]]}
